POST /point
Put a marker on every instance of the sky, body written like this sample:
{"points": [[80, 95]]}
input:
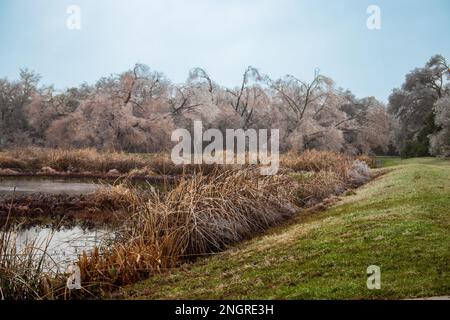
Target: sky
{"points": [[278, 37]]}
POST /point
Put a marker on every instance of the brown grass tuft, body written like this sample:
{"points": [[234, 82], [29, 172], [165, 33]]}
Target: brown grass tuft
{"points": [[201, 215], [313, 160]]}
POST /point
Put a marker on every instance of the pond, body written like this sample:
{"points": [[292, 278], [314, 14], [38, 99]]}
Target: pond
{"points": [[45, 185], [64, 245]]}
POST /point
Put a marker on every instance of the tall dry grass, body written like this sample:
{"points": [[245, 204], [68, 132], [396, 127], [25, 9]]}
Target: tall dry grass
{"points": [[27, 273], [34, 159], [313, 187], [75, 160], [321, 174], [200, 215], [370, 161], [316, 161]]}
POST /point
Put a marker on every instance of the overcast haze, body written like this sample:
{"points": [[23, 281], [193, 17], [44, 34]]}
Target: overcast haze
{"points": [[278, 37]]}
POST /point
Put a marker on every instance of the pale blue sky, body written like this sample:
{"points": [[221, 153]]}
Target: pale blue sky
{"points": [[224, 36]]}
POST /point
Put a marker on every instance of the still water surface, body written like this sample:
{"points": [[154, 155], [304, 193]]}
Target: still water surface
{"points": [[46, 185], [63, 245]]}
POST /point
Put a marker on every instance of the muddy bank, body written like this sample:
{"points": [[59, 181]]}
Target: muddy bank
{"points": [[68, 198], [59, 210], [109, 177]]}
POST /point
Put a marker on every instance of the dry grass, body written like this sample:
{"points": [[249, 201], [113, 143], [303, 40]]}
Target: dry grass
{"points": [[117, 196], [322, 174], [315, 161], [317, 186], [73, 160], [33, 160], [209, 208], [9, 162], [201, 215], [26, 273]]}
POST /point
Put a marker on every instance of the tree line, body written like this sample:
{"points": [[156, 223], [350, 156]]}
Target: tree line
{"points": [[137, 110]]}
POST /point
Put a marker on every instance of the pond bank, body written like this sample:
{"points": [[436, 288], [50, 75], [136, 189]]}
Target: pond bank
{"points": [[30, 201], [66, 199]]}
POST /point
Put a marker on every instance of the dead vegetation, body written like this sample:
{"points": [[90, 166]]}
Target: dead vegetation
{"points": [[26, 273], [35, 160], [93, 163], [200, 215], [204, 211]]}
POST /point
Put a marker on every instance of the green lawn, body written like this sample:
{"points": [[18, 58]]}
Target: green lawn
{"points": [[399, 221], [395, 161]]}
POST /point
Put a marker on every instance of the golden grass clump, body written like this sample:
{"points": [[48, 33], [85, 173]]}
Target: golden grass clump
{"points": [[313, 160], [10, 162], [200, 215], [116, 196], [316, 186], [322, 174], [74, 160], [25, 274]]}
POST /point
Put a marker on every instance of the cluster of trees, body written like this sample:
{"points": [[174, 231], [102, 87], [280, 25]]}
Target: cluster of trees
{"points": [[137, 111], [420, 111]]}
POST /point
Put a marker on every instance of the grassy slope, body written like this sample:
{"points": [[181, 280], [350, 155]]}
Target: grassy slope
{"points": [[400, 222]]}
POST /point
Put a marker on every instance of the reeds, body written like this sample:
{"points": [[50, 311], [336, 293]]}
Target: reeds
{"points": [[90, 161], [72, 160], [201, 215], [25, 273], [315, 161], [321, 174]]}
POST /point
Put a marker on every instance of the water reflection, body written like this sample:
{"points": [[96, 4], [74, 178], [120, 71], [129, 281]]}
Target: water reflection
{"points": [[63, 245]]}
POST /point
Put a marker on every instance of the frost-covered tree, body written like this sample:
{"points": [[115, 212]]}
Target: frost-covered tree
{"points": [[440, 141], [14, 97], [412, 106], [137, 110]]}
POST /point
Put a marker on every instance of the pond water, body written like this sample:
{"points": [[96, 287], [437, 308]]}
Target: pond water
{"points": [[63, 245], [45, 185]]}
